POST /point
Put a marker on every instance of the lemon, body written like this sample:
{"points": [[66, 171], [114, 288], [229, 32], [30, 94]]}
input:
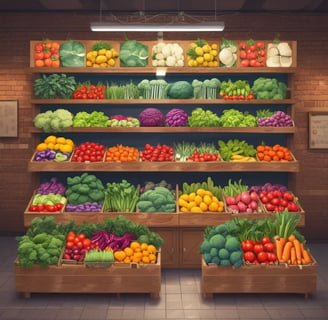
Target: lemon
{"points": [[41, 146], [203, 206], [61, 140], [50, 139], [182, 203], [207, 199], [196, 209], [192, 196], [65, 148], [70, 142], [199, 51], [214, 46], [213, 207], [201, 192], [191, 205], [198, 199], [206, 48]]}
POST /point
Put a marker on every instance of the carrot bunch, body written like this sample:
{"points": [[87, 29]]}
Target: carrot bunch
{"points": [[273, 153], [292, 251], [122, 153]]}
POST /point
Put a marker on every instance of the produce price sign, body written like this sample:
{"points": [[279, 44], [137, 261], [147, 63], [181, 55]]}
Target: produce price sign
{"points": [[318, 130]]}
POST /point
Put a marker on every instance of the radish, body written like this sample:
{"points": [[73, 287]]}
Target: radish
{"points": [[253, 205], [245, 197], [234, 208], [254, 196], [241, 206], [230, 200]]}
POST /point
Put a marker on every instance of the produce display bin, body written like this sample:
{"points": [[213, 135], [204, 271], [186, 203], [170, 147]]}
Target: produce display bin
{"points": [[251, 278], [78, 278]]}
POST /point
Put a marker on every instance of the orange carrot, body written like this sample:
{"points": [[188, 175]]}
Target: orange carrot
{"points": [[279, 242], [286, 251], [291, 238], [305, 255], [293, 256], [298, 251]]}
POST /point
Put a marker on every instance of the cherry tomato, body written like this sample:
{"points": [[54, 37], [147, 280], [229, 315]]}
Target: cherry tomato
{"points": [[265, 240], [262, 256], [86, 242], [269, 246], [81, 236], [249, 256], [258, 248], [69, 244]]}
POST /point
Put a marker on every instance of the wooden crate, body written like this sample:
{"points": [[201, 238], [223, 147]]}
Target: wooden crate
{"points": [[279, 278], [76, 278]]}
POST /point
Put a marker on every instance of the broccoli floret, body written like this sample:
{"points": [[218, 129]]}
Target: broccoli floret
{"points": [[236, 257], [217, 241], [205, 247], [225, 262], [224, 254], [232, 244]]}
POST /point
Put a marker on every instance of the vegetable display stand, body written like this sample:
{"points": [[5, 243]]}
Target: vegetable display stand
{"points": [[258, 279], [77, 278]]}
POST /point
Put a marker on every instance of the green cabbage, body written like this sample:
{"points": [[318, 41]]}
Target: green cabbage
{"points": [[72, 54], [133, 54]]}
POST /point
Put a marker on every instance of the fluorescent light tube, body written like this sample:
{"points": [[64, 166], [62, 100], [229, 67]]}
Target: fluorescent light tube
{"points": [[197, 27]]}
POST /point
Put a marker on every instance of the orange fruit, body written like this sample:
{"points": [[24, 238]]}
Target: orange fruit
{"points": [[50, 139], [152, 257], [65, 148], [145, 259], [128, 251], [143, 246], [134, 245], [151, 248], [41, 146]]}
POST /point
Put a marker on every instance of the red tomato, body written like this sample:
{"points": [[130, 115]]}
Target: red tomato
{"points": [[244, 63], [271, 256], [69, 244], [86, 242], [269, 246], [81, 236], [33, 208], [258, 248], [249, 256], [40, 207], [262, 256], [80, 244], [265, 240]]}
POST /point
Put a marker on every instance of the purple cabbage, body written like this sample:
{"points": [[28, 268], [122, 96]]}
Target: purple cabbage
{"points": [[84, 207], [151, 117], [268, 187], [52, 186], [103, 239], [176, 118], [278, 119]]}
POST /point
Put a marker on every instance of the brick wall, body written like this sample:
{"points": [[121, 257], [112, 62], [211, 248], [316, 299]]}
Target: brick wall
{"points": [[311, 91]]}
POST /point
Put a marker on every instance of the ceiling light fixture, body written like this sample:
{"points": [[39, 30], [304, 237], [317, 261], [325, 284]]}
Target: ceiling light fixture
{"points": [[144, 27]]}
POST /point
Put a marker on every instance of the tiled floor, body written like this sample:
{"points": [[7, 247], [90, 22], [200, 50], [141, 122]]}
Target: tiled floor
{"points": [[180, 299]]}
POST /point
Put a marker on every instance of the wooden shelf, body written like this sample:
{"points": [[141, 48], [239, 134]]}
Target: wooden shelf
{"points": [[268, 130], [162, 101], [165, 166], [169, 70]]}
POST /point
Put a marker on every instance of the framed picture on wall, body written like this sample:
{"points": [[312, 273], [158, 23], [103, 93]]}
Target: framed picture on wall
{"points": [[318, 130]]}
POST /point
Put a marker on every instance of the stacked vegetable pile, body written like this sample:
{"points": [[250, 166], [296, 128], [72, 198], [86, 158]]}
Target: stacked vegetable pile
{"points": [[236, 150], [48, 197], [54, 148], [101, 55], [238, 90], [92, 119], [122, 121], [203, 118], [167, 55], [269, 88], [84, 193], [202, 54], [239, 199], [207, 89], [122, 153], [273, 153], [157, 153], [200, 197], [277, 198], [279, 54], [267, 241], [133, 54], [72, 54], [221, 247], [88, 151], [236, 118], [228, 53], [53, 121], [277, 119], [89, 91], [189, 151], [122, 91], [44, 240], [157, 199], [120, 197], [252, 53], [54, 86], [46, 54]]}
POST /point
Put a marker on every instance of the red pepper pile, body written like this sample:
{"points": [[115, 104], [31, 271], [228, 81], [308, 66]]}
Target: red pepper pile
{"points": [[259, 251], [91, 91], [201, 157], [158, 153], [89, 151], [252, 53], [278, 201], [46, 54]]}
